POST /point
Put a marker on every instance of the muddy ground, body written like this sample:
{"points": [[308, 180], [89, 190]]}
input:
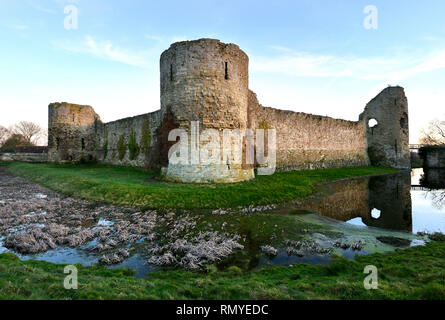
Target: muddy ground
{"points": [[34, 219]]}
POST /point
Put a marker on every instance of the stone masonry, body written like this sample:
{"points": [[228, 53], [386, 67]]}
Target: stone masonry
{"points": [[433, 157], [388, 140], [207, 81]]}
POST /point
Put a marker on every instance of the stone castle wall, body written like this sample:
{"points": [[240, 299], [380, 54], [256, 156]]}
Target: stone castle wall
{"points": [[433, 157], [24, 157], [306, 141], [207, 81], [131, 141]]}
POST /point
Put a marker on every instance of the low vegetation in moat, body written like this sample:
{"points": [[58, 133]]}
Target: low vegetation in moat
{"points": [[136, 187], [414, 273]]}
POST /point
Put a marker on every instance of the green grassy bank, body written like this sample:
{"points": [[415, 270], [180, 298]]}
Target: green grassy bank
{"points": [[415, 273], [130, 186]]}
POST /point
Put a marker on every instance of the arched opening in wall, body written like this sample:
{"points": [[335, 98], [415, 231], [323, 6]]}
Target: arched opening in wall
{"points": [[376, 214], [372, 123], [83, 143], [226, 70]]}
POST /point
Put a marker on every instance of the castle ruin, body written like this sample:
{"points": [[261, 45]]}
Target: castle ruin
{"points": [[208, 81]]}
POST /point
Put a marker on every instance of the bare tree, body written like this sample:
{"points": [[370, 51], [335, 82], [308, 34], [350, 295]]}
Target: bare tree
{"points": [[4, 134], [434, 134], [44, 137], [29, 130], [438, 198]]}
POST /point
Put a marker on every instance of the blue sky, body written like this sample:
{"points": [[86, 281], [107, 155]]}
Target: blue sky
{"points": [[311, 56]]}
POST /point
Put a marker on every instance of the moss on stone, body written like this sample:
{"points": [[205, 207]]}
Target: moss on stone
{"points": [[105, 149], [133, 146], [375, 156], [106, 145], [146, 136], [121, 147], [264, 125]]}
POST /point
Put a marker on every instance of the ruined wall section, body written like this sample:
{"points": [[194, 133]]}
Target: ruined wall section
{"points": [[131, 141], [306, 141], [72, 132], [24, 157], [388, 141], [433, 157], [206, 81]]}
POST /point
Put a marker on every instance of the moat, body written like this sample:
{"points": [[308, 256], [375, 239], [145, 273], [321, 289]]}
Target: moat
{"points": [[348, 217]]}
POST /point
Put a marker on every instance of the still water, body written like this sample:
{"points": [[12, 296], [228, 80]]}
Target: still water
{"points": [[406, 201], [382, 212]]}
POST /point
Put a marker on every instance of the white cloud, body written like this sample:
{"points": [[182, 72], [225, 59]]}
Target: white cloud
{"points": [[166, 41], [281, 48], [388, 70], [337, 75], [106, 50], [154, 37], [21, 27], [431, 38], [37, 6]]}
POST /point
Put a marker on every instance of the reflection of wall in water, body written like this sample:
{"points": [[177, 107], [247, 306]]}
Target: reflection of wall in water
{"points": [[433, 178], [347, 200], [392, 196], [433, 157], [358, 197]]}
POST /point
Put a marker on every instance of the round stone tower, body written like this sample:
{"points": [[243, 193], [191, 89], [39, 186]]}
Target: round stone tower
{"points": [[205, 81]]}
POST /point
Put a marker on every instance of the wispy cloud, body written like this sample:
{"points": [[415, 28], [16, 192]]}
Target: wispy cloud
{"points": [[106, 50], [39, 7], [109, 51], [281, 48], [166, 40], [431, 38], [20, 27], [154, 38], [390, 70]]}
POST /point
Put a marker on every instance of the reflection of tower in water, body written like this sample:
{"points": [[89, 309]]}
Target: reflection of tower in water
{"points": [[391, 195], [381, 201]]}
